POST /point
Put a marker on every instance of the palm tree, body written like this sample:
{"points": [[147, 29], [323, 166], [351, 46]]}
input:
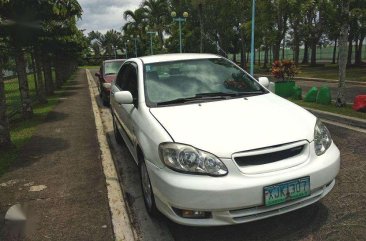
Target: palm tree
{"points": [[136, 21], [157, 14], [94, 38], [111, 41]]}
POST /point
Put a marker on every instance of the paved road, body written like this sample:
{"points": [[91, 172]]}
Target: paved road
{"points": [[339, 216]]}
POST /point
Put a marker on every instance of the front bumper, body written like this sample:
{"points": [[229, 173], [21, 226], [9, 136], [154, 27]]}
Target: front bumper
{"points": [[238, 197]]}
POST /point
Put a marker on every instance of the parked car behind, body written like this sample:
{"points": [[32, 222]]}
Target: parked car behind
{"points": [[107, 73], [214, 146]]}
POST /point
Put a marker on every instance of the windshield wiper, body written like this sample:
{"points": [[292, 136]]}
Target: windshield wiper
{"points": [[199, 97], [209, 96], [216, 94], [250, 93], [232, 94]]}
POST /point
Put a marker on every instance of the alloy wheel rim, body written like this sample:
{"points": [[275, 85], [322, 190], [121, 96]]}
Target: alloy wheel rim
{"points": [[146, 186]]}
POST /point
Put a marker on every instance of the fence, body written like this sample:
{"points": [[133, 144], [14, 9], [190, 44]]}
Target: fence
{"points": [[12, 94], [323, 55]]}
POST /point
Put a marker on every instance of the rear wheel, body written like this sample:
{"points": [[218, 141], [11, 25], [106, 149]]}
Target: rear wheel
{"points": [[147, 192], [117, 135], [104, 98]]}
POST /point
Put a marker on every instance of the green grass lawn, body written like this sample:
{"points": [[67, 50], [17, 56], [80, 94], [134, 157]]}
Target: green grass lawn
{"points": [[13, 95], [347, 110], [22, 130], [330, 71]]}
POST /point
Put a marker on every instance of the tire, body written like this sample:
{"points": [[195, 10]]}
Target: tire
{"points": [[147, 191], [117, 135], [104, 99]]}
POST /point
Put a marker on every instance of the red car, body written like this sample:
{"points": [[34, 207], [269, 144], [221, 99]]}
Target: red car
{"points": [[106, 75]]}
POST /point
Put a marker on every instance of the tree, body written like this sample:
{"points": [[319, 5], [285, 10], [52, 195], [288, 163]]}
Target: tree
{"points": [[5, 140], [281, 15], [136, 21], [111, 41], [94, 38], [357, 28], [296, 21], [25, 21], [156, 13], [343, 36], [199, 4]]}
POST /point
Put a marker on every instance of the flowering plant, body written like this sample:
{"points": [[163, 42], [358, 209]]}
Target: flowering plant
{"points": [[284, 70]]}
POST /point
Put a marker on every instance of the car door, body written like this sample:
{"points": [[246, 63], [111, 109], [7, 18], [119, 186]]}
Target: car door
{"points": [[126, 81]]}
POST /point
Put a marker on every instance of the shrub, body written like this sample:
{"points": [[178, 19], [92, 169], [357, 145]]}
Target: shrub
{"points": [[284, 70]]}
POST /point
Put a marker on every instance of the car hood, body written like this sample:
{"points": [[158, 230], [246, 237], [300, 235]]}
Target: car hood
{"points": [[109, 78], [229, 126]]}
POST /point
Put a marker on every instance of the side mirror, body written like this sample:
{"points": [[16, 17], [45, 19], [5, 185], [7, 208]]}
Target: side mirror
{"points": [[264, 81], [107, 85], [97, 74], [123, 97]]}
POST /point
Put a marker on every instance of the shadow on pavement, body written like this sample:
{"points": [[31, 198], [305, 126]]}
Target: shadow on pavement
{"points": [[56, 116], [291, 226], [35, 150], [71, 87]]}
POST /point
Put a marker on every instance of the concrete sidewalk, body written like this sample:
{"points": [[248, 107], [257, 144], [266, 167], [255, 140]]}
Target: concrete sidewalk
{"points": [[58, 178]]}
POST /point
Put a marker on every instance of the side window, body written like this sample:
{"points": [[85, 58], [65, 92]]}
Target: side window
{"points": [[127, 79], [132, 81], [121, 77]]}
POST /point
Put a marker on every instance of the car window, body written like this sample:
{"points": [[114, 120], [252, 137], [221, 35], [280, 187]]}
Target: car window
{"points": [[166, 81], [131, 81], [127, 79], [112, 67], [121, 76]]}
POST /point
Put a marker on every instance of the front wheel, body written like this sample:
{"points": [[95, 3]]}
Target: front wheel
{"points": [[104, 98], [117, 135], [147, 192]]}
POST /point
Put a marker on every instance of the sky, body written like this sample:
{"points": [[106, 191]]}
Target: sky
{"points": [[103, 15]]}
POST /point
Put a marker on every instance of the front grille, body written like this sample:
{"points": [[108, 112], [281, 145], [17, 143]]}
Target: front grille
{"points": [[267, 158]]}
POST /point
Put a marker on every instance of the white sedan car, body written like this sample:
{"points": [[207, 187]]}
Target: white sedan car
{"points": [[214, 146]]}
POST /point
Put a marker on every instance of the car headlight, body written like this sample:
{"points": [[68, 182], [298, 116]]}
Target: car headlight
{"points": [[185, 158], [322, 138]]}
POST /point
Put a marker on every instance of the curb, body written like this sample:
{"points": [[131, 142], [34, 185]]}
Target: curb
{"points": [[330, 80], [347, 120], [122, 226]]}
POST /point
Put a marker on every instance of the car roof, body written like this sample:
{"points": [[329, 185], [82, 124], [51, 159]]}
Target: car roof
{"points": [[113, 60], [175, 57]]}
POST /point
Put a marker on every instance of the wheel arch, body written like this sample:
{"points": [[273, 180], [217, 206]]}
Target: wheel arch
{"points": [[140, 154]]}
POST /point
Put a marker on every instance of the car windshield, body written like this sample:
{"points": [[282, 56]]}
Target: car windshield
{"points": [[112, 67], [179, 81]]}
